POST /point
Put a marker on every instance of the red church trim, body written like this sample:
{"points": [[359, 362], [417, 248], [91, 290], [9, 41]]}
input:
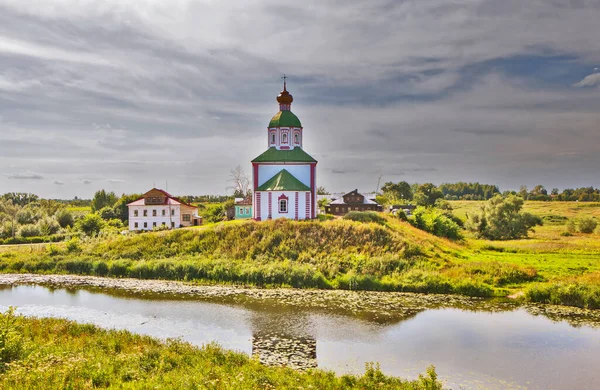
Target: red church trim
{"points": [[296, 207], [313, 172], [307, 215], [282, 196], [257, 208], [270, 205], [255, 174]]}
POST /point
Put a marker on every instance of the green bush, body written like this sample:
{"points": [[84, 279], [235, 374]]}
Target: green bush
{"points": [[436, 221], [325, 217], [365, 216], [64, 218], [587, 224], [91, 224], [29, 231], [579, 294]]}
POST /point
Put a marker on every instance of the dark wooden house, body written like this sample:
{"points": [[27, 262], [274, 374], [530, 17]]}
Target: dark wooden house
{"points": [[352, 201]]}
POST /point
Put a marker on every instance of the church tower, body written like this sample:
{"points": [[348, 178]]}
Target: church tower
{"points": [[284, 177]]}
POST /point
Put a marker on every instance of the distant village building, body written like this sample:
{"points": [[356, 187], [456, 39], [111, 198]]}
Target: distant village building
{"points": [[284, 177], [158, 208], [352, 201], [243, 209]]}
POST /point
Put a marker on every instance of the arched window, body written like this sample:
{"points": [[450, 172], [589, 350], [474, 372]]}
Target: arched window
{"points": [[272, 138], [297, 138], [284, 137], [283, 206]]}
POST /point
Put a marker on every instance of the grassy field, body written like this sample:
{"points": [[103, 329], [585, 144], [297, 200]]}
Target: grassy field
{"points": [[393, 256], [60, 354]]}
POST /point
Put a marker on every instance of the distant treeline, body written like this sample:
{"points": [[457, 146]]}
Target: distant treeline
{"points": [[403, 191], [468, 191]]}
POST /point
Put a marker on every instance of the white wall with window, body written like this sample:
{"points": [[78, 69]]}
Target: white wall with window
{"points": [[146, 217], [283, 204]]}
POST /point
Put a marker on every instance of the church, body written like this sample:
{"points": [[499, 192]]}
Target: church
{"points": [[284, 176]]}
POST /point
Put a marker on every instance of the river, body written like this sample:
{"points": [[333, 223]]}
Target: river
{"points": [[471, 348]]}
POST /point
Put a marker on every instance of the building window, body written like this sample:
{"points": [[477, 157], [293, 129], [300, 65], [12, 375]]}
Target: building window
{"points": [[283, 206], [272, 138], [297, 138], [154, 213], [164, 212], [145, 224], [172, 224], [153, 224], [135, 225], [145, 213], [247, 210], [172, 212], [186, 218], [337, 209], [164, 224], [283, 138], [135, 213]]}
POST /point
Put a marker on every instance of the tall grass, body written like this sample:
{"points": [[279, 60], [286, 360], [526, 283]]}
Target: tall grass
{"points": [[60, 354]]}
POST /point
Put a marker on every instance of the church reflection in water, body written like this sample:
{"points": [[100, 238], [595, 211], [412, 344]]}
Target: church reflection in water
{"points": [[284, 340]]}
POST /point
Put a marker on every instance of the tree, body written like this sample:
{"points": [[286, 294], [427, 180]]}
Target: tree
{"points": [[11, 209], [103, 199], [322, 191], [396, 192], [64, 218], [240, 183], [555, 191], [19, 198], [523, 192], [321, 203], [120, 208], [427, 194], [90, 224], [502, 219]]}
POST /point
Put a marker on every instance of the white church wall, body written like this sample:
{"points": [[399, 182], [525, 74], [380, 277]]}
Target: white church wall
{"points": [[299, 171]]}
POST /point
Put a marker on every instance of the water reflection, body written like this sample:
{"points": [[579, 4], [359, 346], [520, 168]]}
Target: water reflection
{"points": [[284, 339]]}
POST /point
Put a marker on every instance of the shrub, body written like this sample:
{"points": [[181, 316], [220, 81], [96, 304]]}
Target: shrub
{"points": [[325, 217], [48, 226], [436, 222], [11, 341], [365, 216], [587, 224], [91, 224], [502, 219], [29, 231], [64, 218], [571, 227]]}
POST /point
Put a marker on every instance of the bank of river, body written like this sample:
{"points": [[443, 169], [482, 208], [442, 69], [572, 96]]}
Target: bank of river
{"points": [[472, 342]]}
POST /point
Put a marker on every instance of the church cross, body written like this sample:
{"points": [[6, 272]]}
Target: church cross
{"points": [[284, 79]]}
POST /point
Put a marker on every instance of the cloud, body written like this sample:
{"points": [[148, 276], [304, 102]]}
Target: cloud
{"points": [[591, 80], [25, 176], [149, 91], [59, 183]]}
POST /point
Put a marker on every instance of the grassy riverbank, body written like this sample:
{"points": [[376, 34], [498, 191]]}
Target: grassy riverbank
{"points": [[60, 354], [341, 254]]}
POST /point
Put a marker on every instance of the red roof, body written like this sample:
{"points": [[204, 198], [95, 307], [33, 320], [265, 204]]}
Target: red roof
{"points": [[167, 198]]}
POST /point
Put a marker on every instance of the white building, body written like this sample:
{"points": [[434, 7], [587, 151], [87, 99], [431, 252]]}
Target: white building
{"points": [[158, 208]]}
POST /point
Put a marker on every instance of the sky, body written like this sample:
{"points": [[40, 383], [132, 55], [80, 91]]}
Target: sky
{"points": [[125, 95]]}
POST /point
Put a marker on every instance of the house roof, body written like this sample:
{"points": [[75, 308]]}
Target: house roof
{"points": [[285, 118], [244, 202], [283, 181], [366, 199], [169, 199], [276, 155]]}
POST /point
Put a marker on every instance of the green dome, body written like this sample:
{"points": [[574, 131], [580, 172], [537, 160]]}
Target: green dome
{"points": [[285, 119]]}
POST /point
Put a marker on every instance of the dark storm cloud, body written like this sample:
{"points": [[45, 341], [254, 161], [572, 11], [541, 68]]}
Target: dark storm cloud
{"points": [[142, 91]]}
